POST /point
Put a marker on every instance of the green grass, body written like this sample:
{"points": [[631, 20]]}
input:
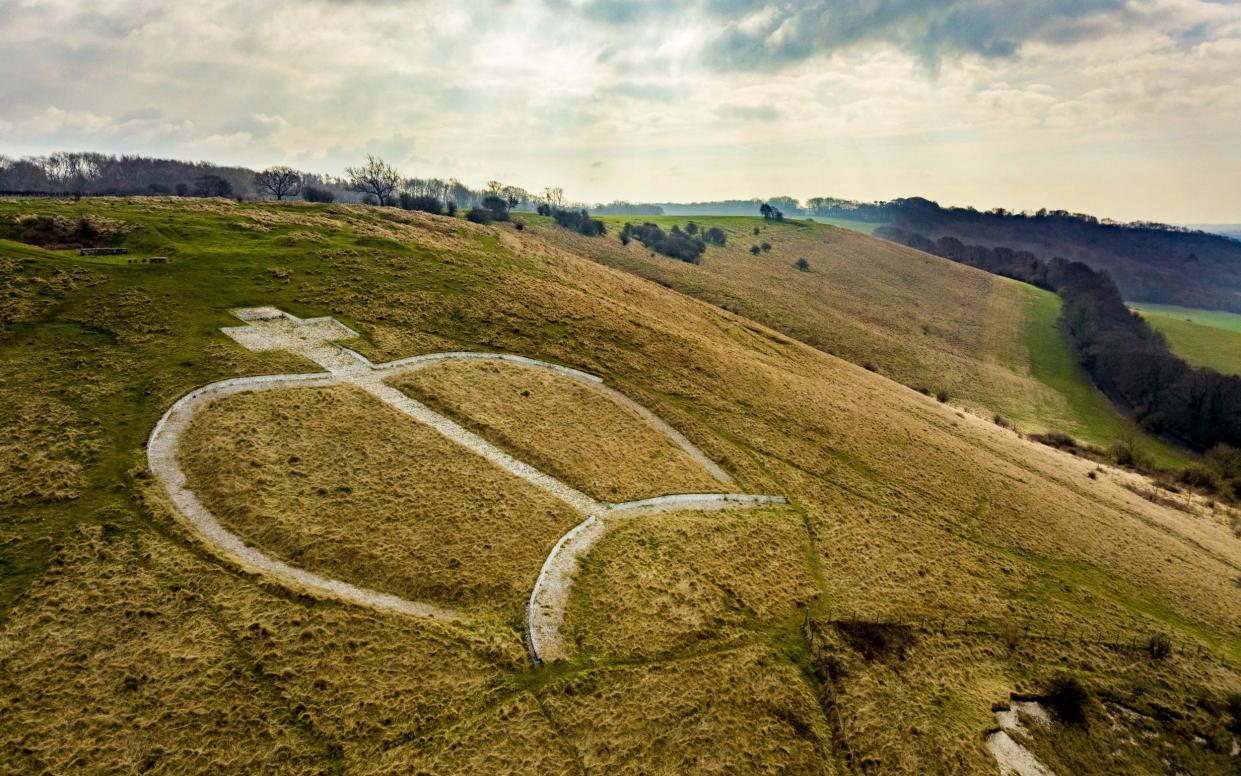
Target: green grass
{"points": [[865, 227], [1216, 319], [1092, 417], [1204, 338]]}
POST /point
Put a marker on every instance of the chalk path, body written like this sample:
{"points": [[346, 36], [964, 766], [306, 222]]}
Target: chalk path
{"points": [[268, 328]]}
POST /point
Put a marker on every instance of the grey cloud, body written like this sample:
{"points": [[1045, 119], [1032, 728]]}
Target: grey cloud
{"points": [[930, 29]]}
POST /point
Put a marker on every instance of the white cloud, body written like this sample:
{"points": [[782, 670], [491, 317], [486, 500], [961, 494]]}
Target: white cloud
{"points": [[540, 90]]}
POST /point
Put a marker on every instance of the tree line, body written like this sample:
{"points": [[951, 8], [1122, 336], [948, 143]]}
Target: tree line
{"points": [[372, 182], [1127, 359]]}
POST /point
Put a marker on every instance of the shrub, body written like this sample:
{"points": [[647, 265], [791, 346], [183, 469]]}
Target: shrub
{"points": [[941, 396], [766, 247], [1002, 421], [1158, 646], [1068, 698], [1195, 475], [576, 220], [315, 194], [451, 208], [498, 206], [714, 236], [624, 238], [519, 224], [802, 265], [755, 249], [756, 231], [1126, 452], [421, 202], [1057, 439], [480, 215], [674, 243]]}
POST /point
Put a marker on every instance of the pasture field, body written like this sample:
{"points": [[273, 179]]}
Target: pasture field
{"points": [[561, 427], [929, 562], [990, 343], [1204, 338]]}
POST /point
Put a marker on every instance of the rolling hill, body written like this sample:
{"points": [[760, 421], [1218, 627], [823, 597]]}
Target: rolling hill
{"points": [[988, 342], [1206, 338], [928, 563]]}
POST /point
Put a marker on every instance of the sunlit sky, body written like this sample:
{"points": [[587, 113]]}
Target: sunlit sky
{"points": [[1123, 108]]}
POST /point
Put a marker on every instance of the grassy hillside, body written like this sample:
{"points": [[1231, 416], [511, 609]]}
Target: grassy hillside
{"points": [[1207, 338], [929, 323], [929, 562]]}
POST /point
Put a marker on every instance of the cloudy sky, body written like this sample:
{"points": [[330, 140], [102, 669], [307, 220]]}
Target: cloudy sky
{"points": [[1123, 108]]}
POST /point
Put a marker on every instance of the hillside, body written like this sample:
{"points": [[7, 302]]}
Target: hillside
{"points": [[929, 323], [1149, 263], [927, 564], [1206, 338]]}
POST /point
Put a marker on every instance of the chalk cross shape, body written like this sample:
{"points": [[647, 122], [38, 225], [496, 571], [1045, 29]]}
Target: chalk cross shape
{"points": [[317, 340]]}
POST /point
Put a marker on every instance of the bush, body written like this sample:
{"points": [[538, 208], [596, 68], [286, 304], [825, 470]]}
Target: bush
{"points": [[577, 220], [674, 243], [802, 265], [1127, 453], [1057, 439], [941, 396], [755, 250], [1195, 475], [424, 203], [714, 236], [519, 224], [498, 207], [1002, 421], [1068, 699], [756, 231], [316, 194], [766, 247], [1158, 646], [451, 208], [480, 215]]}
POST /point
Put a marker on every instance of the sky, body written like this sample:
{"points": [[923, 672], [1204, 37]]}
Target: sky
{"points": [[1129, 109]]}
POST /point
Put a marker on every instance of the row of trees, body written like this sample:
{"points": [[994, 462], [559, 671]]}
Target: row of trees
{"points": [[1128, 359], [374, 181]]}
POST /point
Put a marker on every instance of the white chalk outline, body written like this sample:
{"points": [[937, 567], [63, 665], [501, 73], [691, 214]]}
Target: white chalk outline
{"points": [[269, 328]]}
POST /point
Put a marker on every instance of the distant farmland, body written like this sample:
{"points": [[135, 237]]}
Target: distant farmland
{"points": [[1208, 338]]}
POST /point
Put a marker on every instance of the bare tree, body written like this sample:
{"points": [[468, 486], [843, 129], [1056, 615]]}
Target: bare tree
{"points": [[376, 177], [554, 195], [279, 181]]}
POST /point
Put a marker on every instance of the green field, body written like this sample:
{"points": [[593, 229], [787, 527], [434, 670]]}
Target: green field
{"points": [[865, 227], [1204, 338], [1092, 417]]}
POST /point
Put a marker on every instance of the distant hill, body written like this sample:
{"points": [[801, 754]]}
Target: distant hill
{"points": [[1149, 262]]}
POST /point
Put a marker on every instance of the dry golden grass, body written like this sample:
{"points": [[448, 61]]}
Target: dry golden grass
{"points": [[738, 711], [108, 666], [513, 737], [561, 427], [667, 582], [336, 482]]}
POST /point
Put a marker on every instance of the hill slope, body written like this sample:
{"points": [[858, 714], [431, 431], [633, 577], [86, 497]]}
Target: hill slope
{"points": [[1202, 337], [929, 563], [932, 324]]}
